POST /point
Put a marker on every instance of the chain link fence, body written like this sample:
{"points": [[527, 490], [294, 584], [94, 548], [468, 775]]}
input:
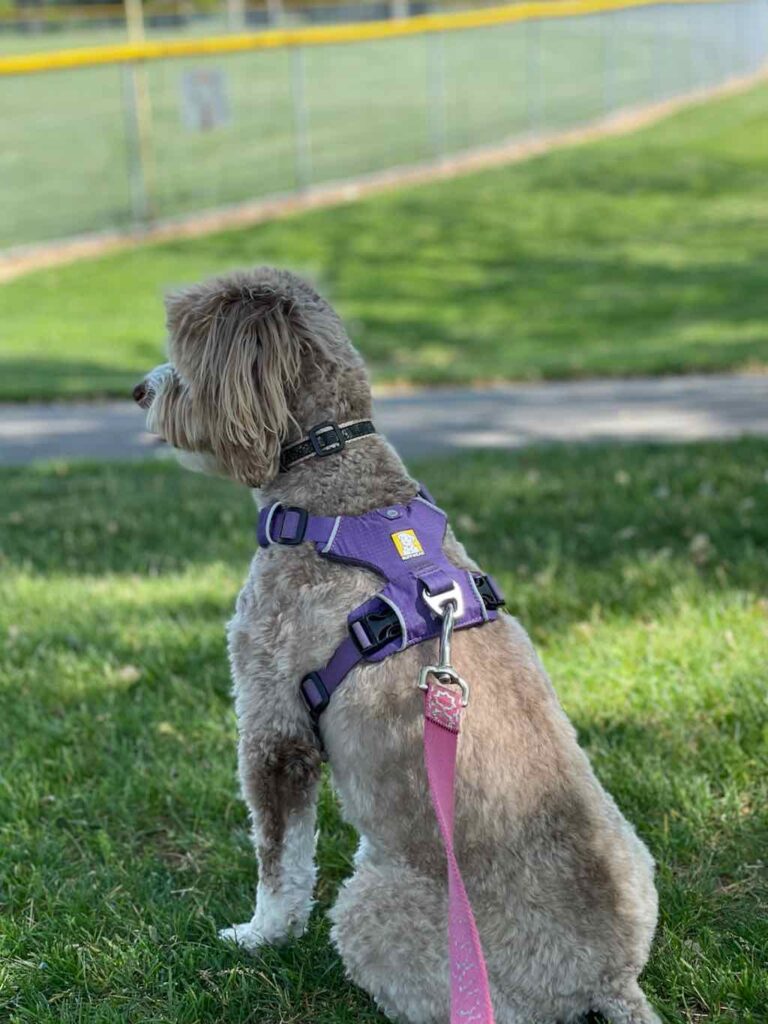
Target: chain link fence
{"points": [[98, 148]]}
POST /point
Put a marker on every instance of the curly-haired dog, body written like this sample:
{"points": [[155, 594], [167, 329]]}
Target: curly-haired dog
{"points": [[561, 886]]}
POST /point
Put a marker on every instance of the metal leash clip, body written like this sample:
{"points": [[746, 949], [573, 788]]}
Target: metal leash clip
{"points": [[445, 673]]}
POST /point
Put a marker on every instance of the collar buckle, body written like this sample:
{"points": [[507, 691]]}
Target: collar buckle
{"points": [[322, 444], [327, 438]]}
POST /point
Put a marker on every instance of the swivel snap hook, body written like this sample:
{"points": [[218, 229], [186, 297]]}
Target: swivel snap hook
{"points": [[444, 672]]}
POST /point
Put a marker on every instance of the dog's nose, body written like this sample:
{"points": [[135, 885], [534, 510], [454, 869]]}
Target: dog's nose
{"points": [[140, 393]]}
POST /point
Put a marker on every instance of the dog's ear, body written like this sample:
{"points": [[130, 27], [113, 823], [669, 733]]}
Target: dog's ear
{"points": [[238, 349]]}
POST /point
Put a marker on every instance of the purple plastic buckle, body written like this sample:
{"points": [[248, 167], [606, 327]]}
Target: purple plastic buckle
{"points": [[295, 519], [316, 697], [375, 629]]}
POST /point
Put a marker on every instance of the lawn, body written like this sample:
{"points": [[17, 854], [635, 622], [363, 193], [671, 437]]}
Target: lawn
{"points": [[640, 572], [645, 254]]}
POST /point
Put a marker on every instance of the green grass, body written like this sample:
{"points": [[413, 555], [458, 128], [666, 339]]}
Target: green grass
{"points": [[640, 572], [645, 254]]}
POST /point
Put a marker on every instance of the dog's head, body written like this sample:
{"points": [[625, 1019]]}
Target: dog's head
{"points": [[256, 359]]}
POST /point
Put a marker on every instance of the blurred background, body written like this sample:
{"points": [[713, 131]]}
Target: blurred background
{"points": [[546, 228], [94, 142]]}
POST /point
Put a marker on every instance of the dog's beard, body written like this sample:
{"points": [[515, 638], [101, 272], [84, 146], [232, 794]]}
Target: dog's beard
{"points": [[170, 417], [198, 462], [155, 383]]}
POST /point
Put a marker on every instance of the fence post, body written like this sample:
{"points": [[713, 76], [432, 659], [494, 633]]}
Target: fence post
{"points": [[302, 143], [694, 49], [733, 66], [436, 92], [134, 19], [140, 204], [745, 39], [235, 15], [752, 30], [722, 38], [609, 64], [534, 77], [658, 86], [705, 47], [275, 12], [761, 33], [138, 111]]}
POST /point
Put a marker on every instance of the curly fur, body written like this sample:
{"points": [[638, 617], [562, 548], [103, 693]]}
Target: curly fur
{"points": [[561, 885]]}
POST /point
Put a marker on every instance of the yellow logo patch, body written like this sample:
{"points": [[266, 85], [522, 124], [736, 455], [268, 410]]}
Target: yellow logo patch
{"points": [[408, 544]]}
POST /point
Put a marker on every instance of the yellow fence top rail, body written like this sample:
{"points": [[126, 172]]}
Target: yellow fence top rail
{"points": [[126, 53]]}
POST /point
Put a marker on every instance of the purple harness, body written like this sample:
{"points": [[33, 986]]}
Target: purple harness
{"points": [[425, 596], [404, 545]]}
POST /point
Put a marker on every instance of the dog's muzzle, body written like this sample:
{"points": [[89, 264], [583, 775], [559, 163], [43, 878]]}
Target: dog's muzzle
{"points": [[147, 389], [142, 395]]}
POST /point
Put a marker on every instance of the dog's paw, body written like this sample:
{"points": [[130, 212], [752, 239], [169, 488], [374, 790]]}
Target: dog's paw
{"points": [[245, 935]]}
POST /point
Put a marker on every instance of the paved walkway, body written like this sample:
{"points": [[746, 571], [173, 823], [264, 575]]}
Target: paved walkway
{"points": [[419, 423]]}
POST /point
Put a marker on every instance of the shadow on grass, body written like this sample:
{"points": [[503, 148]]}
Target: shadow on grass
{"points": [[652, 287]]}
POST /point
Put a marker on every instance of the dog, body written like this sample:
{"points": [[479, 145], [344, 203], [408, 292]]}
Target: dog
{"points": [[561, 885]]}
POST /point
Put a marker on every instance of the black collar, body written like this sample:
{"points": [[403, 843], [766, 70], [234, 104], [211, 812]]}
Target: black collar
{"points": [[325, 439]]}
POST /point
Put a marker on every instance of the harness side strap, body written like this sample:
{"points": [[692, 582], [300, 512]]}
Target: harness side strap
{"points": [[470, 992], [317, 688]]}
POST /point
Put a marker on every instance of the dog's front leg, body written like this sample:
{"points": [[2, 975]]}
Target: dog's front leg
{"points": [[280, 776]]}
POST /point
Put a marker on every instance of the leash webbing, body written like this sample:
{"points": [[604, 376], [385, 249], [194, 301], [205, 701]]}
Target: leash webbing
{"points": [[470, 993]]}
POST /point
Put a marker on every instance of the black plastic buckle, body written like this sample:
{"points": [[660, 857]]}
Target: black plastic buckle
{"points": [[298, 537], [489, 592], [315, 708], [375, 630], [322, 444]]}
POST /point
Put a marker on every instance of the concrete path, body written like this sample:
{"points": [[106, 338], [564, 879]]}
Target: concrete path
{"points": [[419, 423]]}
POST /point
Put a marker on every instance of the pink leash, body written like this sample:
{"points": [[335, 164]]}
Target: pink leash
{"points": [[470, 994]]}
